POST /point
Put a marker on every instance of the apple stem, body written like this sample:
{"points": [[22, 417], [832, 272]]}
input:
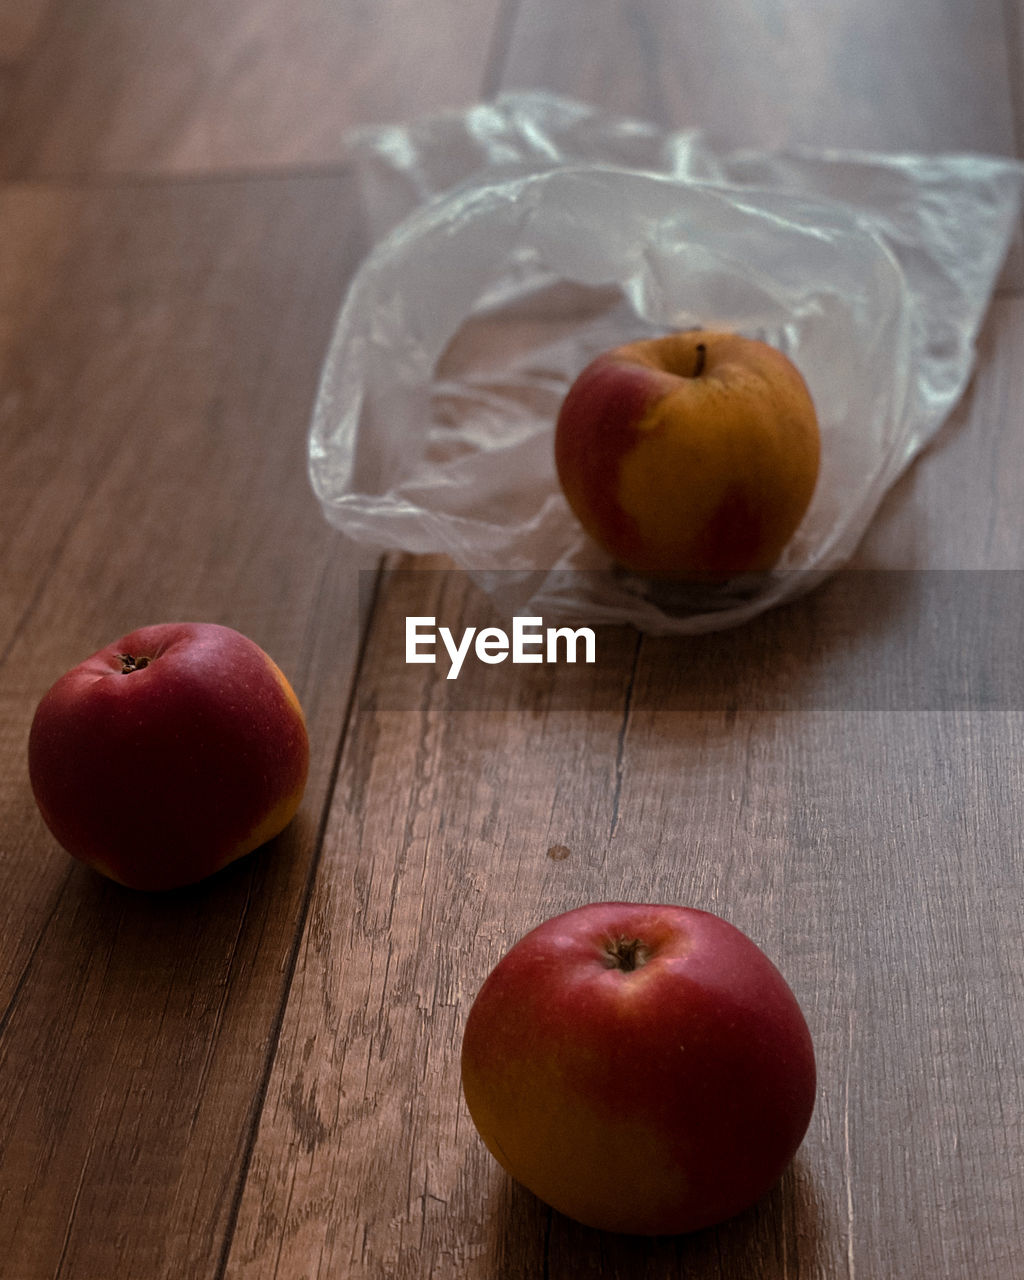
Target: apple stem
{"points": [[626, 954], [702, 355], [130, 663]]}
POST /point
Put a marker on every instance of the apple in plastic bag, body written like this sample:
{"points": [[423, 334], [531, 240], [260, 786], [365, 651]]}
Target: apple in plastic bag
{"points": [[692, 456], [642, 1069], [168, 754]]}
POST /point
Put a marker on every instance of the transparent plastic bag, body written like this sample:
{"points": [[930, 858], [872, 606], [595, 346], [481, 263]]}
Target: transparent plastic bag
{"points": [[522, 237]]}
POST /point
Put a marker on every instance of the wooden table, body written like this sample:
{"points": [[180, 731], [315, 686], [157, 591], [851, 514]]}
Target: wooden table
{"points": [[258, 1077]]}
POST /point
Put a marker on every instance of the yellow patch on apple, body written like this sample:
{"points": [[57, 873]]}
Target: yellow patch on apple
{"points": [[692, 456]]}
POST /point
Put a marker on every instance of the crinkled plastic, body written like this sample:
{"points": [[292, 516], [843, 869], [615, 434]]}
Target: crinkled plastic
{"points": [[520, 238]]}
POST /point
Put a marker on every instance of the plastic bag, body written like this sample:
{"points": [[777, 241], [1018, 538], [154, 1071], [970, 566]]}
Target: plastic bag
{"points": [[522, 237]]}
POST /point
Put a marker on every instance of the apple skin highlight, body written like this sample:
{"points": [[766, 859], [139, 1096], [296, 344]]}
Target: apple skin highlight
{"points": [[692, 457], [651, 1100], [168, 754]]}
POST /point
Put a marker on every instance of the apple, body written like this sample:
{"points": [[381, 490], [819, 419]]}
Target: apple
{"points": [[692, 456], [642, 1069], [168, 754]]}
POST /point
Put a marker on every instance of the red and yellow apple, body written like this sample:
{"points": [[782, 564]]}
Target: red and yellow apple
{"points": [[169, 754], [692, 456], [642, 1069]]}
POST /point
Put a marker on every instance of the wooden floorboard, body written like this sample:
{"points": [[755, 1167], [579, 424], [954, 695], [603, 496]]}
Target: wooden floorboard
{"points": [[237, 84], [857, 828], [159, 367], [257, 1077]]}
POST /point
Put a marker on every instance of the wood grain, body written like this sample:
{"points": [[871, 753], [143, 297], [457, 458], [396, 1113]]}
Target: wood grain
{"points": [[236, 84], [770, 776], [869, 847], [258, 1077], [159, 359], [443, 821]]}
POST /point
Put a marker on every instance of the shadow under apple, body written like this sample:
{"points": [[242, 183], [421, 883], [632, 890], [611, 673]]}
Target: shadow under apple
{"points": [[780, 1237]]}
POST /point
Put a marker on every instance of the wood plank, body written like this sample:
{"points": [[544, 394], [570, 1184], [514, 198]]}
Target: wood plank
{"points": [[869, 844], [818, 777], [159, 353], [443, 824], [238, 84], [917, 76], [805, 777], [160, 347], [809, 776]]}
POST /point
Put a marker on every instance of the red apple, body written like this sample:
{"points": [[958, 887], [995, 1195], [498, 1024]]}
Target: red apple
{"points": [[642, 1069], [691, 456], [168, 754]]}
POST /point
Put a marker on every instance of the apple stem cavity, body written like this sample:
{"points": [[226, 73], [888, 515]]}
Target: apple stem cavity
{"points": [[626, 954], [130, 663], [702, 355]]}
